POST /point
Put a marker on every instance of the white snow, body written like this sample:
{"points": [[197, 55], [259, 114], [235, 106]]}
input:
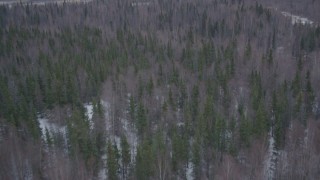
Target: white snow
{"points": [[180, 124], [27, 175], [189, 171], [132, 137], [297, 19], [107, 115], [270, 162], [128, 130], [89, 114], [102, 175], [53, 128]]}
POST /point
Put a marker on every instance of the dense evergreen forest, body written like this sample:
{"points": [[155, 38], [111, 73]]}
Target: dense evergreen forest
{"points": [[162, 89]]}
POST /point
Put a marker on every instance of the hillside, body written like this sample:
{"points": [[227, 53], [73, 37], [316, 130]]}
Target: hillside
{"points": [[165, 89]]}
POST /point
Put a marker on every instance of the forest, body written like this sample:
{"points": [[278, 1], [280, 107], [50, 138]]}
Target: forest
{"points": [[160, 89]]}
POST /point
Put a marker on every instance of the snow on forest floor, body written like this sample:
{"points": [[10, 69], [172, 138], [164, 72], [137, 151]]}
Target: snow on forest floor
{"points": [[89, 114], [131, 136], [189, 171], [53, 128], [270, 162], [1, 132], [128, 130], [102, 175], [297, 19]]}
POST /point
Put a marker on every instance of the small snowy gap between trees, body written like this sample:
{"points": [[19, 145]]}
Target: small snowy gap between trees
{"points": [[52, 128]]}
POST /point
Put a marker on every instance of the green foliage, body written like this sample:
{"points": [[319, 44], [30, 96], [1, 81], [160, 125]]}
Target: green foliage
{"points": [[194, 102], [171, 100], [296, 84], [79, 137], [245, 130], [132, 108], [270, 57], [51, 61], [7, 108], [261, 121], [49, 140], [309, 97], [144, 160], [112, 161], [179, 150], [256, 89], [150, 86], [141, 119], [196, 160], [125, 153], [219, 133], [281, 119]]}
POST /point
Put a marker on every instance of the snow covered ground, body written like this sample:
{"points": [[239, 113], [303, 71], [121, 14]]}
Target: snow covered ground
{"points": [[131, 136], [298, 19], [128, 130], [52, 128], [270, 162], [189, 171], [89, 114], [102, 175]]}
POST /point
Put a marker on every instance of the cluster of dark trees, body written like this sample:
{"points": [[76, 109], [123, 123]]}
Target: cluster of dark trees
{"points": [[209, 83]]}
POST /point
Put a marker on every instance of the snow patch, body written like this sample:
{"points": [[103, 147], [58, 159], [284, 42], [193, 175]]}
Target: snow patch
{"points": [[270, 162], [297, 19], [129, 131], [132, 137], [107, 114], [189, 171], [102, 175], [89, 114], [52, 128], [180, 124]]}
